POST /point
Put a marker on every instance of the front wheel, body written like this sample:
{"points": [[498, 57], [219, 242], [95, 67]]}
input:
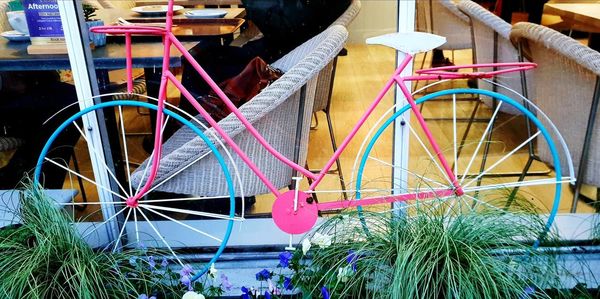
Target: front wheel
{"points": [[492, 155], [161, 220]]}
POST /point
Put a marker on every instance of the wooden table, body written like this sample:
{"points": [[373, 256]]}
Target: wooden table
{"points": [[584, 14], [110, 15], [189, 3], [146, 55], [14, 57], [217, 30]]}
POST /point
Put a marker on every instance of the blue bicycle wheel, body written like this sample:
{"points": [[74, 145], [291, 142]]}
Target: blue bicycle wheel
{"points": [[167, 221], [492, 151]]}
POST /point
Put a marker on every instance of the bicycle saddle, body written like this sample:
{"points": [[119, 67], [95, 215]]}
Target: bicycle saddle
{"points": [[408, 42]]}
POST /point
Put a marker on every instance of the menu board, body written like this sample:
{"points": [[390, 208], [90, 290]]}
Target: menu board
{"points": [[43, 20]]}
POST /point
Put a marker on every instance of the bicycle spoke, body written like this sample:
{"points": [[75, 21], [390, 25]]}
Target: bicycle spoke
{"points": [[105, 222], [125, 149], [407, 206], [516, 184], [162, 130], [191, 212], [185, 225], [89, 203], [485, 133], [502, 159], [137, 230], [484, 203], [450, 208], [145, 171], [178, 172], [408, 171], [95, 152], [85, 178], [161, 238], [434, 160], [118, 240], [454, 134]]}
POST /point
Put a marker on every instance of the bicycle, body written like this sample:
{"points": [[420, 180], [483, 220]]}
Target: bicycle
{"points": [[295, 211]]}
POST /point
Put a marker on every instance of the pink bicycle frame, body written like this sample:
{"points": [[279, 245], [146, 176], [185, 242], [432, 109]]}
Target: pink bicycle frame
{"points": [[170, 40]]}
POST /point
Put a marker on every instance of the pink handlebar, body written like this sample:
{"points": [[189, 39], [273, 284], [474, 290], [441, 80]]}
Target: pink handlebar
{"points": [[129, 30]]}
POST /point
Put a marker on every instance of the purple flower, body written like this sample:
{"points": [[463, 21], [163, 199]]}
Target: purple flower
{"points": [[284, 259], [151, 262], [351, 259], [264, 274], [267, 295], [186, 281], [164, 262], [287, 283], [245, 293], [324, 292], [225, 283], [143, 296], [186, 270]]}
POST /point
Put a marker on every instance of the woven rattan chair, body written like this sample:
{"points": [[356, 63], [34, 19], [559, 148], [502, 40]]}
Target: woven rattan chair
{"points": [[271, 112], [442, 17], [567, 89], [491, 43], [325, 89]]}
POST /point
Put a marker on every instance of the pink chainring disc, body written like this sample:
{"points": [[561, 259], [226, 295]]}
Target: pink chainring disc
{"points": [[290, 221]]}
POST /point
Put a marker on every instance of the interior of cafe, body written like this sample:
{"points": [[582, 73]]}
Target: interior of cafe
{"points": [[529, 136]]}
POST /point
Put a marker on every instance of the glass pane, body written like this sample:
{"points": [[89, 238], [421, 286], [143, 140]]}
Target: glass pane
{"points": [[512, 155], [36, 92]]}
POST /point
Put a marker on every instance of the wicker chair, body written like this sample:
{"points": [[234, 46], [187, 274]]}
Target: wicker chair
{"points": [[491, 43], [325, 89], [442, 17], [271, 112], [568, 90]]}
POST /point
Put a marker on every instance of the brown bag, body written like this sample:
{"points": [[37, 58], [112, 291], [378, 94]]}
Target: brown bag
{"points": [[240, 89]]}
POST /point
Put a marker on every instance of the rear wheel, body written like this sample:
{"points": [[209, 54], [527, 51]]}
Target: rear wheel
{"points": [[494, 161]]}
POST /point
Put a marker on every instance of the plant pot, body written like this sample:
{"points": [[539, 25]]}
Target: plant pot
{"points": [[99, 39]]}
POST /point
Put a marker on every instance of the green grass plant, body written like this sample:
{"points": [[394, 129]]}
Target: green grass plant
{"points": [[429, 253], [46, 258]]}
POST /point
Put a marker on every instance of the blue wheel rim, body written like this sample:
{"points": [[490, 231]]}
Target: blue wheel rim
{"points": [[517, 105], [218, 156]]}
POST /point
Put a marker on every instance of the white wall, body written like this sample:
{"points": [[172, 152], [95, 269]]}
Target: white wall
{"points": [[375, 17]]}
